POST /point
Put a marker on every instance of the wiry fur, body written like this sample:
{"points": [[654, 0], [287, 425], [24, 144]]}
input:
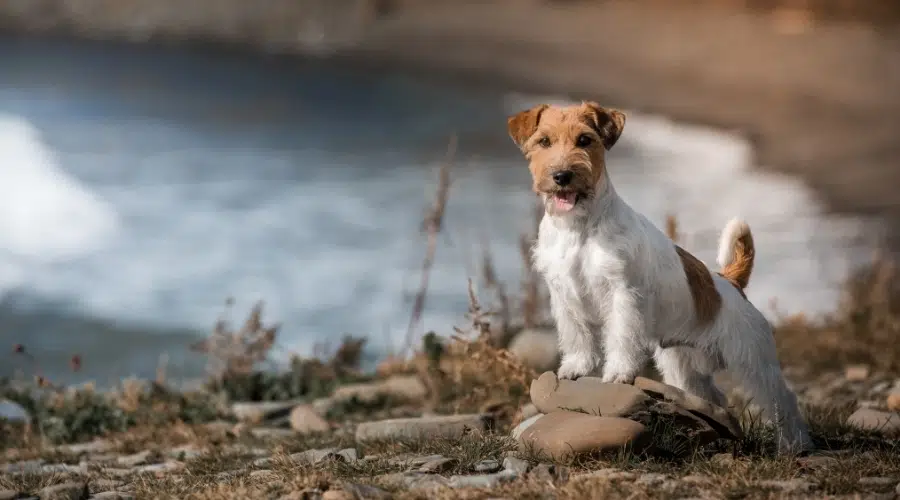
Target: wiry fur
{"points": [[618, 285]]}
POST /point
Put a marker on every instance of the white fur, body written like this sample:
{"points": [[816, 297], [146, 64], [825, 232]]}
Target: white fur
{"points": [[618, 287], [734, 230]]}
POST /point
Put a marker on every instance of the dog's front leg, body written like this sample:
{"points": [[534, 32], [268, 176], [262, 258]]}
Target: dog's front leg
{"points": [[576, 343], [623, 338]]}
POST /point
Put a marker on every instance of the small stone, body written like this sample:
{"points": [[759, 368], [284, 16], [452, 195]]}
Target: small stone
{"points": [[537, 349], [856, 373], [305, 420], [135, 460], [439, 465], [95, 446], [789, 486], [877, 481], [519, 429], [875, 420], [349, 455], [545, 473], [23, 467], [481, 480], [487, 466], [111, 471], [563, 433], [66, 491], [517, 465], [262, 462], [723, 421], [893, 400], [162, 468], [587, 394], [414, 480], [8, 494], [413, 429]]}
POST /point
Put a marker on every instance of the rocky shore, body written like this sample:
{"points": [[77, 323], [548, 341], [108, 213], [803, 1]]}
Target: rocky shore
{"points": [[816, 94]]}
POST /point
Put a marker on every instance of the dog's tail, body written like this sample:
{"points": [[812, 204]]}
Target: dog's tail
{"points": [[736, 253]]}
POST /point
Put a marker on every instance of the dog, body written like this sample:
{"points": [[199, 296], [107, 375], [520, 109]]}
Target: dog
{"points": [[622, 290]]}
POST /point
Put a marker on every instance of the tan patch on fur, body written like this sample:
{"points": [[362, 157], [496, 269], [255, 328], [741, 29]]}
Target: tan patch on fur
{"points": [[707, 300], [738, 272], [548, 135]]}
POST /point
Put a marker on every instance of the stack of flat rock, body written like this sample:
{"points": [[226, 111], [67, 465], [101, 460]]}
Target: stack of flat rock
{"points": [[587, 416]]}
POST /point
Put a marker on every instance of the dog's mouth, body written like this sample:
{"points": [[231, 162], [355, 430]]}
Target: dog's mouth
{"points": [[564, 201]]}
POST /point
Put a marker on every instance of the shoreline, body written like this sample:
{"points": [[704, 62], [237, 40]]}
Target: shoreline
{"points": [[811, 103]]}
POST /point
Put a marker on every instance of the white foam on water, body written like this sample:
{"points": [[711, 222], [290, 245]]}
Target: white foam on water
{"points": [[44, 213]]}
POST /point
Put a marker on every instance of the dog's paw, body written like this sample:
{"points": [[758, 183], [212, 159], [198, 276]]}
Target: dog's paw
{"points": [[574, 367], [618, 378]]}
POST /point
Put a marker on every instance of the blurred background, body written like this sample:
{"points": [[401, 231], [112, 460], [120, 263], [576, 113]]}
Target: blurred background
{"points": [[159, 158]]}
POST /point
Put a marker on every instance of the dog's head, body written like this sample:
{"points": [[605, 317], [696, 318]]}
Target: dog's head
{"points": [[566, 149]]}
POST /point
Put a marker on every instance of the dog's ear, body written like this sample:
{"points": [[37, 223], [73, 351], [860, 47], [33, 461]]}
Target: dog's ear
{"points": [[523, 125], [608, 123]]}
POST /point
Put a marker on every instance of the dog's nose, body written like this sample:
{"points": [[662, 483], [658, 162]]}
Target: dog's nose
{"points": [[562, 178]]}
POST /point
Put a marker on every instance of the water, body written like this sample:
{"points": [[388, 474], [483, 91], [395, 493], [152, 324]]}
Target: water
{"points": [[141, 187]]}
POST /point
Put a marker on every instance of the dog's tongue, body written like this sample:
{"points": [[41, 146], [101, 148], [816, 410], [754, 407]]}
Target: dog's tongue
{"points": [[565, 201]]}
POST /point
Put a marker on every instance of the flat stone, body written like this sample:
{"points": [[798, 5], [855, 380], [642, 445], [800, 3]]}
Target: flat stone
{"points": [[349, 455], [487, 466], [412, 429], [338, 495], [482, 480], [519, 429], [162, 468], [315, 457], [414, 480], [439, 465], [305, 420], [23, 467], [563, 433], [536, 348], [411, 460], [721, 420], [8, 494], [271, 432], [875, 420], [135, 459], [113, 495], [587, 394], [185, 452], [789, 485], [66, 491], [95, 446], [517, 465], [400, 387], [606, 474]]}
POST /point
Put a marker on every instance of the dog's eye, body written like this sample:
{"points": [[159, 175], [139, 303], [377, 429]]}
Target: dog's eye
{"points": [[544, 142], [584, 141]]}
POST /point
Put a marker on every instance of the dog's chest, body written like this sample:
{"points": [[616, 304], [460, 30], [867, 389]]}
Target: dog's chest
{"points": [[580, 273]]}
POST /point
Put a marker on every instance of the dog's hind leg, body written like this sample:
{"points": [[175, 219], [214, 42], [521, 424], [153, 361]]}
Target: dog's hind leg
{"points": [[689, 370]]}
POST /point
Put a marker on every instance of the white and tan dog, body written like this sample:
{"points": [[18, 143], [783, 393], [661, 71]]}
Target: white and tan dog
{"points": [[621, 289]]}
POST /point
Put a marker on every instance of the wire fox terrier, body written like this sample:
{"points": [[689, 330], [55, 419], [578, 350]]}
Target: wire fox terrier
{"points": [[620, 287]]}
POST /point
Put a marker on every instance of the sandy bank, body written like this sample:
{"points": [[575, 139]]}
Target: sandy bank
{"points": [[822, 103]]}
